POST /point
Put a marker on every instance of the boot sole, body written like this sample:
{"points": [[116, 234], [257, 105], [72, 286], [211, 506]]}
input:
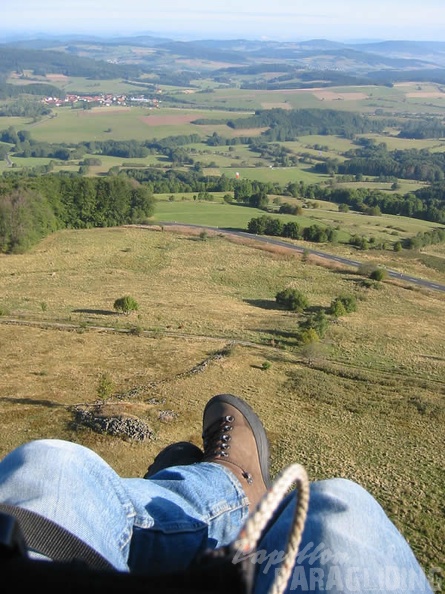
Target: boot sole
{"points": [[258, 430]]}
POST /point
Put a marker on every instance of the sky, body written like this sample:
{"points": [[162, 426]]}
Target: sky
{"points": [[293, 20]]}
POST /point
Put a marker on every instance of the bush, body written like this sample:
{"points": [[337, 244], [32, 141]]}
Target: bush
{"points": [[342, 305], [318, 322], [126, 305], [309, 336], [337, 309], [292, 299], [378, 274]]}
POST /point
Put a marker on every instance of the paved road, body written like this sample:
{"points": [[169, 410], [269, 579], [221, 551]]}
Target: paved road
{"points": [[420, 282]]}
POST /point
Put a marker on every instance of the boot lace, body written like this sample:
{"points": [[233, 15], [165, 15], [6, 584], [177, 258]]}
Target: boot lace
{"points": [[217, 440]]}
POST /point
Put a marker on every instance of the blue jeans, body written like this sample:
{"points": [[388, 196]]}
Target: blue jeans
{"points": [[349, 544]]}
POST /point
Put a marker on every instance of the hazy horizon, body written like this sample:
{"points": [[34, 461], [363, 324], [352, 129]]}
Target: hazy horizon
{"points": [[371, 20]]}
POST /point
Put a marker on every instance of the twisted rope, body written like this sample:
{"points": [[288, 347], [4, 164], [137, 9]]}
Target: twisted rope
{"points": [[254, 527]]}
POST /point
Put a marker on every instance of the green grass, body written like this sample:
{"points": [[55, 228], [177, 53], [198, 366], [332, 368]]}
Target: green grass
{"points": [[281, 175], [214, 214], [72, 126], [117, 123], [186, 210]]}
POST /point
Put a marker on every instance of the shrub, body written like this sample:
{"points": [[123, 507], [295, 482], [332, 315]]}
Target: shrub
{"points": [[292, 299], [342, 305], [318, 322], [308, 336], [104, 387], [126, 305], [378, 274], [337, 309]]}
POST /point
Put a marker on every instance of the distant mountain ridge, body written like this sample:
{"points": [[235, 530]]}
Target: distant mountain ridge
{"points": [[382, 62]]}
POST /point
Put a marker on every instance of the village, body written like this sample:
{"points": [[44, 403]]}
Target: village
{"points": [[102, 100]]}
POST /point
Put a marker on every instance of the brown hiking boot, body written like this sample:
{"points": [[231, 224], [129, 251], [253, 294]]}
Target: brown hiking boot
{"points": [[181, 453], [235, 437]]}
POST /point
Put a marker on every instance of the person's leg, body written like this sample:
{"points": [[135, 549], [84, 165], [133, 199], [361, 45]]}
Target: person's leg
{"points": [[137, 524], [348, 545]]}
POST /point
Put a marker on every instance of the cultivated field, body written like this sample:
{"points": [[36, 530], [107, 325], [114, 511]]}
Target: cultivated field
{"points": [[120, 123], [367, 403]]}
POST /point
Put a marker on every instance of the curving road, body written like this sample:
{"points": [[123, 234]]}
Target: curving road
{"points": [[420, 282]]}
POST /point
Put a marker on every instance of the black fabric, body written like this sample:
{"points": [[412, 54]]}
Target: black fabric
{"points": [[53, 541], [76, 567]]}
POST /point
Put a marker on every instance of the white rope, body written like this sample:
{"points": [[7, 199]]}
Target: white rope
{"points": [[254, 527]]}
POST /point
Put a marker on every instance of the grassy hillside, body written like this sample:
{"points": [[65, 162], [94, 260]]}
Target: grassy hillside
{"points": [[367, 403]]}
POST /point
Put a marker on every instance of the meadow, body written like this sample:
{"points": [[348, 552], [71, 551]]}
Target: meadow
{"points": [[367, 403], [71, 126]]}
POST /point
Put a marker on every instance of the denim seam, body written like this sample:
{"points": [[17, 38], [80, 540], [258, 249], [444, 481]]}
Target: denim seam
{"points": [[241, 500]]}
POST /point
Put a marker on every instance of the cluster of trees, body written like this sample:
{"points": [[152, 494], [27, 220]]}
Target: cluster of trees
{"points": [[280, 155], [8, 91], [24, 145], [34, 207], [268, 225], [376, 160], [426, 204], [24, 108], [285, 125], [430, 128], [315, 324], [216, 139], [423, 239]]}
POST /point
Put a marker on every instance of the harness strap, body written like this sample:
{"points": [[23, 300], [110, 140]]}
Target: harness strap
{"points": [[51, 540]]}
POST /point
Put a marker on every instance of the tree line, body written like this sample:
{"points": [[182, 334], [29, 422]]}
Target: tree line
{"points": [[286, 125], [426, 203], [375, 160], [31, 208]]}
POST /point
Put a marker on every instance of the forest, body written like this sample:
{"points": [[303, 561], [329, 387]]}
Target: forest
{"points": [[31, 208]]}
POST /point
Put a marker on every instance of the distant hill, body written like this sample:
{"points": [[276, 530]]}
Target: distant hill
{"points": [[49, 61], [176, 62]]}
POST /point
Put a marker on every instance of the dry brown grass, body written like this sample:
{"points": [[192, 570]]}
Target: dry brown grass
{"points": [[369, 407]]}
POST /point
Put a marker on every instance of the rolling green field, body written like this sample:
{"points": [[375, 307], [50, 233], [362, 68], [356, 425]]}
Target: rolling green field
{"points": [[120, 123], [184, 209]]}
